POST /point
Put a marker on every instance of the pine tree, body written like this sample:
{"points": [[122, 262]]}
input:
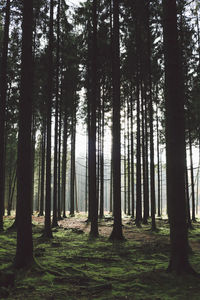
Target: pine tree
{"points": [[175, 142], [24, 251], [3, 93], [116, 156]]}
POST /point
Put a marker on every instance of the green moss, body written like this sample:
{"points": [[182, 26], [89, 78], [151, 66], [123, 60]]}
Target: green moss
{"points": [[73, 267]]}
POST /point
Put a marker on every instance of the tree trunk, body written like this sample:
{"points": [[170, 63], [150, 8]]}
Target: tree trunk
{"points": [[158, 166], [102, 162], [175, 142], [59, 164], [138, 166], [116, 156], [147, 158], [187, 194], [151, 119], [144, 158], [33, 140], [41, 213], [64, 165], [132, 160], [125, 194], [55, 184], [92, 138], [128, 161], [72, 177], [3, 92], [47, 227], [86, 178], [192, 176], [24, 251]]}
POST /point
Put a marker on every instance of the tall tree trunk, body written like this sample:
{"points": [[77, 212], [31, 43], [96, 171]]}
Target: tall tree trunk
{"points": [[11, 186], [86, 178], [102, 161], [197, 195], [147, 158], [76, 190], [64, 165], [41, 213], [88, 82], [72, 177], [192, 176], [92, 138], [189, 223], [151, 119], [158, 166], [116, 155], [55, 184], [138, 166], [132, 159], [39, 177], [125, 194], [128, 160], [175, 142], [47, 225], [24, 251], [33, 140], [59, 164], [111, 183], [3, 92], [144, 158], [12, 194]]}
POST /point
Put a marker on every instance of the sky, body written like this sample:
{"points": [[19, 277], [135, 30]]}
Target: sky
{"points": [[73, 2]]}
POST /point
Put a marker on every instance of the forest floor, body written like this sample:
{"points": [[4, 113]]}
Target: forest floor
{"points": [[72, 266]]}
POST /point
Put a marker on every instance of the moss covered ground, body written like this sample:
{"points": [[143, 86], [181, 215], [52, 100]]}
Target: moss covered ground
{"points": [[71, 266]]}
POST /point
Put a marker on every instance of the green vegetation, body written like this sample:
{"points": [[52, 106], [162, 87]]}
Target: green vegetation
{"points": [[71, 266]]}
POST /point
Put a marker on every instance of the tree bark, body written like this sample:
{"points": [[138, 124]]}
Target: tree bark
{"points": [[3, 92], [64, 165], [41, 213], [55, 184], [175, 142], [24, 251], [192, 176], [116, 156], [47, 224], [93, 200]]}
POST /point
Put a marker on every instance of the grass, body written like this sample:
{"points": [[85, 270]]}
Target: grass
{"points": [[70, 266]]}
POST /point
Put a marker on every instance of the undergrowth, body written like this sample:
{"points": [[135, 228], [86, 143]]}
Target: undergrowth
{"points": [[71, 266]]}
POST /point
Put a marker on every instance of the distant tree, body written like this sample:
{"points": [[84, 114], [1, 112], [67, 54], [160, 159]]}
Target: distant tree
{"points": [[24, 251]]}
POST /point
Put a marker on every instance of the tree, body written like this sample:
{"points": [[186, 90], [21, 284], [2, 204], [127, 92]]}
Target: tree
{"points": [[3, 92], [116, 156], [93, 200], [24, 251], [175, 142], [55, 186], [47, 229]]}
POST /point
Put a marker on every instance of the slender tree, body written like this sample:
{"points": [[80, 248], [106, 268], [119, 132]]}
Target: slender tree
{"points": [[55, 185], [64, 164], [3, 92], [116, 162], [93, 200], [24, 251], [47, 225]]}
